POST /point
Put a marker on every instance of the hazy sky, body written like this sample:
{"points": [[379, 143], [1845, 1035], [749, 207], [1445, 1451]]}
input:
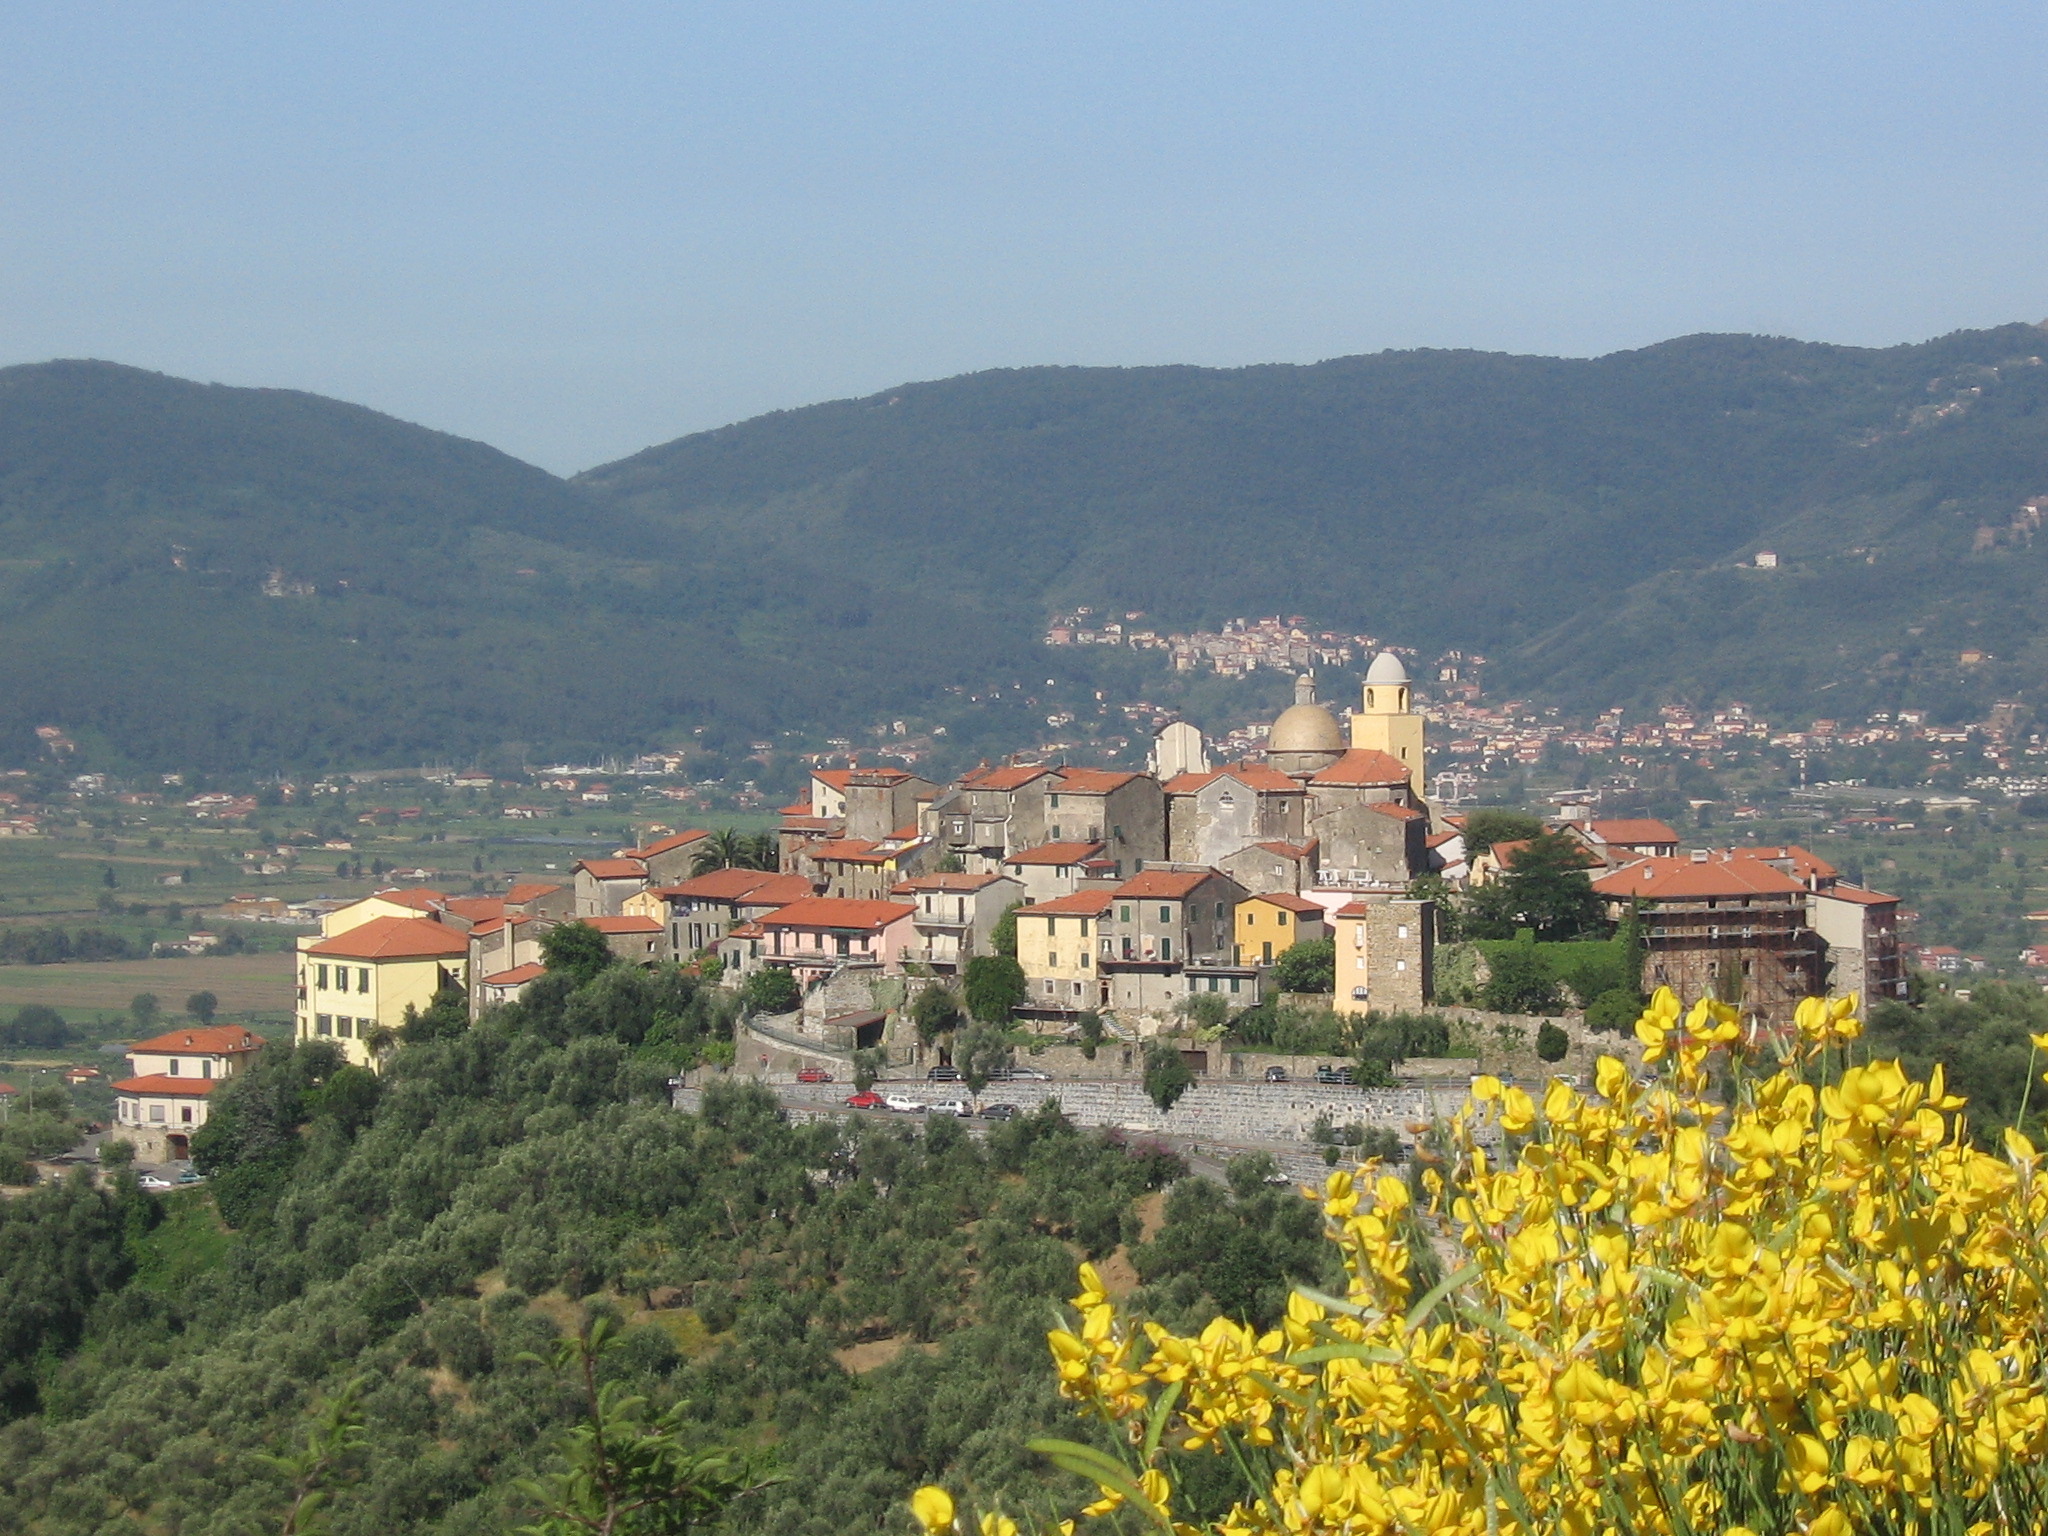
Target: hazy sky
{"points": [[574, 230]]}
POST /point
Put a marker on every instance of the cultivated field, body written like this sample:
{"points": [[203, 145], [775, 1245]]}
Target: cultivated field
{"points": [[243, 983]]}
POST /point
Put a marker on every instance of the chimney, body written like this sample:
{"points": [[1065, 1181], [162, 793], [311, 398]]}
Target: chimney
{"points": [[1699, 855]]}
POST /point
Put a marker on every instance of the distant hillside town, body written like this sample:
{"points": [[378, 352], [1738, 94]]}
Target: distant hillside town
{"points": [[1129, 892]]}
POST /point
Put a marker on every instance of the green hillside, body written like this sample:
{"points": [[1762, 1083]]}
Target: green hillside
{"points": [[820, 569], [1533, 508]]}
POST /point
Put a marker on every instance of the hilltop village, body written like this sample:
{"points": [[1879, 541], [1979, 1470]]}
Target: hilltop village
{"points": [[1129, 893]]}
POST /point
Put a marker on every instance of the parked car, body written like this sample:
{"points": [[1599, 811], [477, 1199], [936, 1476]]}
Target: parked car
{"points": [[956, 1107], [1029, 1075], [943, 1075], [1276, 1074], [1333, 1075], [897, 1104], [814, 1075], [867, 1099], [191, 1176], [999, 1111], [153, 1181]]}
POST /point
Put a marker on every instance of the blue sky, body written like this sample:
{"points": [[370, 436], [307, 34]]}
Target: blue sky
{"points": [[574, 230]]}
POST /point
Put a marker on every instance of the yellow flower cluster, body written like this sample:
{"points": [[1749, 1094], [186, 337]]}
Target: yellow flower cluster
{"points": [[1742, 1297]]}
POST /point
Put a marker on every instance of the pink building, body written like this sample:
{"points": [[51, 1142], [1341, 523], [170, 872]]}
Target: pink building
{"points": [[814, 936]]}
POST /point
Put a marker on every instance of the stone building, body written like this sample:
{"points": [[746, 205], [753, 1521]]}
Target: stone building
{"points": [[1386, 954]]}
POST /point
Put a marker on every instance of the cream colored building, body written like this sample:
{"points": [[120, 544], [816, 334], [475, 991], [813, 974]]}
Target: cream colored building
{"points": [[1056, 942]]}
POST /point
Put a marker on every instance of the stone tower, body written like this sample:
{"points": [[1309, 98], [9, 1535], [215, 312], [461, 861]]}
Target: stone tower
{"points": [[1388, 722]]}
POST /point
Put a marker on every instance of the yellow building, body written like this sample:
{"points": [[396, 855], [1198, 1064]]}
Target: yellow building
{"points": [[1387, 721], [1268, 925], [364, 976], [1056, 949]]}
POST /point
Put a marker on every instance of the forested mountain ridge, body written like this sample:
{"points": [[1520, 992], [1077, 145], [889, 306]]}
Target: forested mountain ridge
{"points": [[1532, 508], [203, 576]]}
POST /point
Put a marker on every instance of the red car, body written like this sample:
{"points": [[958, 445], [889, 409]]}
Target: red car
{"points": [[868, 1100], [814, 1075]]}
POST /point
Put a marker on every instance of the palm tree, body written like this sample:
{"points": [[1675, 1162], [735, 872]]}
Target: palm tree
{"points": [[724, 849], [763, 851]]}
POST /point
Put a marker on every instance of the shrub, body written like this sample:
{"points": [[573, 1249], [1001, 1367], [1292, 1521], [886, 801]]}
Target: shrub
{"points": [[1551, 1042], [1166, 1075], [771, 990], [1686, 1335], [1310, 966]]}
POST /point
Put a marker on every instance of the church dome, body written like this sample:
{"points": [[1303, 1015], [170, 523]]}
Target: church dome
{"points": [[1386, 668], [1305, 728]]}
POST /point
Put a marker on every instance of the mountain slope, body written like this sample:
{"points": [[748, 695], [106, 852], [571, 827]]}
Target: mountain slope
{"points": [[198, 576], [1500, 503]]}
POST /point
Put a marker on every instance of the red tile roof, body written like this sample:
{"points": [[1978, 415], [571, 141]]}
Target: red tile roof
{"points": [[667, 844], [205, 1039], [1659, 879], [1163, 884], [1055, 853], [623, 924], [853, 851], [1080, 904], [1861, 897], [838, 912], [948, 882], [531, 890], [394, 938], [1290, 902], [1092, 781], [420, 899], [613, 869], [169, 1087], [1256, 776], [1290, 850], [779, 892], [1363, 767], [518, 976], [809, 823], [720, 885], [1629, 831], [477, 909], [1398, 812], [1805, 865], [1004, 778]]}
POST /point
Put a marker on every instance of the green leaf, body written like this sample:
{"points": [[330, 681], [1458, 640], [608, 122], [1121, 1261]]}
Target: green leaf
{"points": [[1419, 1313], [1103, 1471], [1155, 1425]]}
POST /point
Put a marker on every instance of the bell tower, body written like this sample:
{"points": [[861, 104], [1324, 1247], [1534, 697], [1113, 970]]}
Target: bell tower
{"points": [[1387, 722]]}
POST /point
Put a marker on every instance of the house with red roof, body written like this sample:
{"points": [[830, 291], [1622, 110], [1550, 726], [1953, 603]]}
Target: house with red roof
{"points": [[818, 935], [1169, 931], [671, 857], [1125, 812], [990, 814], [1056, 948], [1714, 924], [602, 885], [956, 915], [164, 1100], [357, 982], [702, 910], [1058, 869]]}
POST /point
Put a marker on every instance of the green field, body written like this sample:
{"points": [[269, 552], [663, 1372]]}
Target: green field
{"points": [[258, 985]]}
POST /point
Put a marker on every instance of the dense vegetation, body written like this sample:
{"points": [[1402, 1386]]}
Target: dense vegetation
{"points": [[828, 567], [867, 1304]]}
